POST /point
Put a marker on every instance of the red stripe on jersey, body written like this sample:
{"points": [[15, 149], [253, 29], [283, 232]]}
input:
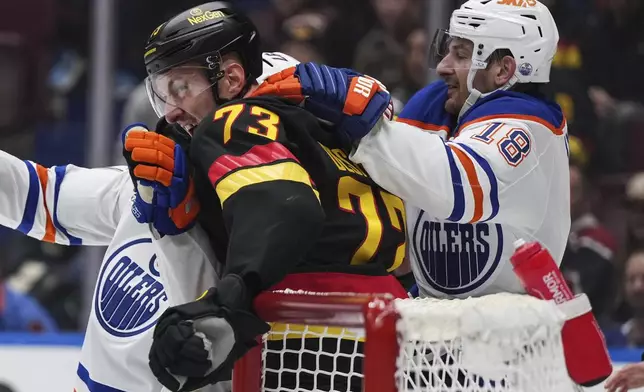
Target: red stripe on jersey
{"points": [[260, 154], [336, 282]]}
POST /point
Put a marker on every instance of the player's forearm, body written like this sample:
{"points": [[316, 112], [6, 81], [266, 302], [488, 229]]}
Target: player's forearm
{"points": [[14, 189], [410, 164], [271, 229], [63, 204]]}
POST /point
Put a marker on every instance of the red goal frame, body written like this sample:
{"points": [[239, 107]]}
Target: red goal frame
{"points": [[374, 313]]}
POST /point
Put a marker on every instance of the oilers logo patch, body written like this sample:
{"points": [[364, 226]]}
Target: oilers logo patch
{"points": [[129, 297], [456, 258]]}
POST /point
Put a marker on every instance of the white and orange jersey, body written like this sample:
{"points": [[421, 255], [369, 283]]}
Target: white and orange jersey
{"points": [[72, 205], [56, 204], [472, 189]]}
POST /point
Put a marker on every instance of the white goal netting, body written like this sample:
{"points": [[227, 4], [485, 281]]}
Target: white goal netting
{"points": [[501, 342]]}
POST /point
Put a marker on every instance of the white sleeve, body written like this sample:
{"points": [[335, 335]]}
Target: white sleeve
{"points": [[480, 175], [67, 205]]}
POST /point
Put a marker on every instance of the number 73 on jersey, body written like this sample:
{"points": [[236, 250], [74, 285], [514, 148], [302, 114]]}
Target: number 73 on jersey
{"points": [[349, 188]]}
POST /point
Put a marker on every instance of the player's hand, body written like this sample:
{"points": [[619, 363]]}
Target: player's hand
{"points": [[165, 195], [197, 344], [350, 100], [629, 377]]}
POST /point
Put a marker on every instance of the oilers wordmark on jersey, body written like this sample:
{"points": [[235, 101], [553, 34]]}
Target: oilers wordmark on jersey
{"points": [[456, 258], [129, 297]]}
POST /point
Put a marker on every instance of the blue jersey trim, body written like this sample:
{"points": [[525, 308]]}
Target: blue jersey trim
{"points": [[60, 176], [31, 205]]}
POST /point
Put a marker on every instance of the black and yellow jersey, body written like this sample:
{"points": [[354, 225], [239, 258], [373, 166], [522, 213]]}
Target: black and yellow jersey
{"points": [[280, 196]]}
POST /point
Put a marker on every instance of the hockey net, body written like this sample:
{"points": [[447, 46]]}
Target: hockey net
{"points": [[336, 342]]}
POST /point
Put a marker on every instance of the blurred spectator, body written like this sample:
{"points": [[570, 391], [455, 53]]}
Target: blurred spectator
{"points": [[635, 218], [620, 133], [633, 329], [588, 260], [21, 313], [415, 67], [307, 29], [615, 27], [381, 53], [50, 274]]}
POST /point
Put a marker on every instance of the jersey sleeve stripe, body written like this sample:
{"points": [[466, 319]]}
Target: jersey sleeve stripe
{"points": [[473, 179], [494, 186], [50, 230], [459, 196], [31, 205], [60, 176], [557, 130], [281, 171], [424, 125], [261, 154]]}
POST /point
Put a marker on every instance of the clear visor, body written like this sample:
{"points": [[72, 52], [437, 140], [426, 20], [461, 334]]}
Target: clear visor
{"points": [[181, 88], [451, 52]]}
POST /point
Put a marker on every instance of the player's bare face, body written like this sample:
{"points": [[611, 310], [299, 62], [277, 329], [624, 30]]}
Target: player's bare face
{"points": [[453, 69], [186, 96]]}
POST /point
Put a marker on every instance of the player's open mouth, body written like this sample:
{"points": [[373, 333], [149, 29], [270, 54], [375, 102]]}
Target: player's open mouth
{"points": [[188, 128]]}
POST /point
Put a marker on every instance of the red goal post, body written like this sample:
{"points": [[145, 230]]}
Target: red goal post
{"points": [[501, 342]]}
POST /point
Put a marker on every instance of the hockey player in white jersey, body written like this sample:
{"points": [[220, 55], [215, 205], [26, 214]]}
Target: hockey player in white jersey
{"points": [[480, 158], [71, 205]]}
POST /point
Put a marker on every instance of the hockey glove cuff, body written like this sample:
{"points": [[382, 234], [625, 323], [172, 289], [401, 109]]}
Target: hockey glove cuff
{"points": [[197, 344]]}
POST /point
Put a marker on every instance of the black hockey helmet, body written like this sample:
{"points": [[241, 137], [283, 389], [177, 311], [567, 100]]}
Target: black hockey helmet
{"points": [[201, 36]]}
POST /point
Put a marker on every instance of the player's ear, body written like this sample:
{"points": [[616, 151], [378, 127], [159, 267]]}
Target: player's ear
{"points": [[505, 71], [233, 81]]}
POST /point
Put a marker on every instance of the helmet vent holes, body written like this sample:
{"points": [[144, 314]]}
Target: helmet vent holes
{"points": [[529, 16], [537, 50], [484, 2], [523, 28], [540, 32]]}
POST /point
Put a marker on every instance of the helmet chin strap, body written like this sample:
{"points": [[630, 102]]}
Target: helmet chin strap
{"points": [[475, 94]]}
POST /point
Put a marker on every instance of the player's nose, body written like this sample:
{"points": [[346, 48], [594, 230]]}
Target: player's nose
{"points": [[445, 68], [173, 114]]}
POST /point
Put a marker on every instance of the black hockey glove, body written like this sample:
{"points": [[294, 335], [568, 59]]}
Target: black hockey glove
{"points": [[197, 344]]}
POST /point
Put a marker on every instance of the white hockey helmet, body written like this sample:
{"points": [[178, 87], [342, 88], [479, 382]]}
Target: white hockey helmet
{"points": [[525, 27], [274, 62]]}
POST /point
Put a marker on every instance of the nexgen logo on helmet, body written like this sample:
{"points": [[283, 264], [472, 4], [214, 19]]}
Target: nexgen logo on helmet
{"points": [[519, 3], [208, 15]]}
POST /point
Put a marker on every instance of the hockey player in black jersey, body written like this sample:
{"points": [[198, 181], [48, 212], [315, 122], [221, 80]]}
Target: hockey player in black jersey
{"points": [[280, 201]]}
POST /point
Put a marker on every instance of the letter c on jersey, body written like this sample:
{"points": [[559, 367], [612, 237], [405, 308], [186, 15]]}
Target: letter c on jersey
{"points": [[456, 258], [129, 298]]}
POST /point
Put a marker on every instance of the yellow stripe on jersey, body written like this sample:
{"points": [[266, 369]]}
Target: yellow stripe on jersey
{"points": [[289, 171], [281, 331]]}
